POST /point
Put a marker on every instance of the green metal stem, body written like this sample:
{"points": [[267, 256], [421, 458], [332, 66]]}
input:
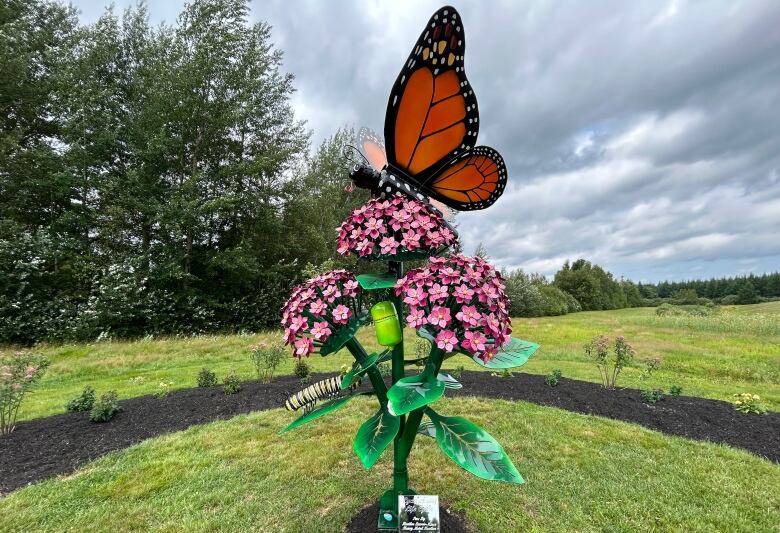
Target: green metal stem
{"points": [[359, 353], [415, 417], [400, 472]]}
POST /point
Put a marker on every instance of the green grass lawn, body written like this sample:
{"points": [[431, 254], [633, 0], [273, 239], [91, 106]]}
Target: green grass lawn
{"points": [[582, 474], [714, 357]]}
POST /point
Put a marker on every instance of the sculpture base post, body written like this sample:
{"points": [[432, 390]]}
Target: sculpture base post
{"points": [[388, 509]]}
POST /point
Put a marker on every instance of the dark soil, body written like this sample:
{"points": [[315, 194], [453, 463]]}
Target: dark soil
{"points": [[365, 521], [59, 444], [684, 416], [46, 447]]}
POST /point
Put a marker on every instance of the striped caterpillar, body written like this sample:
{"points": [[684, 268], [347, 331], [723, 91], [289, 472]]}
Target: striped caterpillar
{"points": [[321, 390]]}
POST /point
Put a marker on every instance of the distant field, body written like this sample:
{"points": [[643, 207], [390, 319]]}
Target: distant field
{"points": [[737, 350]]}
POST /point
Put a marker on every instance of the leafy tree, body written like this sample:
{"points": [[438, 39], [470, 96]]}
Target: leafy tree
{"points": [[686, 296], [531, 295], [632, 293], [591, 286], [317, 202], [747, 294]]}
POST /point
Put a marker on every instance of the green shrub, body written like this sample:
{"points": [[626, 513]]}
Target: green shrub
{"points": [[83, 402], [104, 408], [457, 373], [301, 369], [232, 384], [729, 299], [667, 309], [651, 365], [266, 357], [163, 389], [609, 366], [553, 378], [18, 374], [749, 403], [420, 349], [385, 369], [206, 378], [652, 396], [675, 390]]}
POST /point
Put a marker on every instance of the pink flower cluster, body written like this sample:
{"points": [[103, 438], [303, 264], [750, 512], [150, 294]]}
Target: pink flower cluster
{"points": [[389, 227], [461, 301], [319, 308]]}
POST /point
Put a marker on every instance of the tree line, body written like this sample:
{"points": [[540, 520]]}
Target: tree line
{"points": [[153, 179], [582, 286], [747, 289]]}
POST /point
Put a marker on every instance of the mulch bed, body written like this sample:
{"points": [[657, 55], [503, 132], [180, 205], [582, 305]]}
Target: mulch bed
{"points": [[365, 521], [683, 416], [59, 444]]}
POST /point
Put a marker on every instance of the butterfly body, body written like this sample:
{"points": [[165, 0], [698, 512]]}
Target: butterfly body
{"points": [[431, 127], [385, 182]]}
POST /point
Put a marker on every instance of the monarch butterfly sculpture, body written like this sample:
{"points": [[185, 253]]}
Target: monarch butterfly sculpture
{"points": [[456, 303], [431, 127]]}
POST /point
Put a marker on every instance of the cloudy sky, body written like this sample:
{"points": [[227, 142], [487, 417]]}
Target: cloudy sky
{"points": [[643, 136]]}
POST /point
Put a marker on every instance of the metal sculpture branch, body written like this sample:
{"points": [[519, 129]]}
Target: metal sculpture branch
{"points": [[456, 303]]}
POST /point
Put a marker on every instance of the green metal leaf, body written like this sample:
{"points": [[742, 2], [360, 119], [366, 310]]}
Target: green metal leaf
{"points": [[372, 282], [427, 429], [513, 354], [407, 394], [322, 410], [375, 435], [473, 449], [359, 369], [449, 381], [337, 341]]}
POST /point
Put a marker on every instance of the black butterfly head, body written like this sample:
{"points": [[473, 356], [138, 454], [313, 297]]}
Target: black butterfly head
{"points": [[365, 177]]}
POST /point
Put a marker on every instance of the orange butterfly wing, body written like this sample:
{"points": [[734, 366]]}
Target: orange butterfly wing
{"points": [[373, 148], [474, 180], [432, 113]]}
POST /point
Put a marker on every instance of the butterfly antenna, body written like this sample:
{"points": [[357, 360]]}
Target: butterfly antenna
{"points": [[354, 155]]}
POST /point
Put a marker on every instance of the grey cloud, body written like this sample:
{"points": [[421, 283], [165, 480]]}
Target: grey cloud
{"points": [[641, 135]]}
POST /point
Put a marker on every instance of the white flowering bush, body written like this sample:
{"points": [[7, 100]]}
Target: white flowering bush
{"points": [[748, 403], [18, 374]]}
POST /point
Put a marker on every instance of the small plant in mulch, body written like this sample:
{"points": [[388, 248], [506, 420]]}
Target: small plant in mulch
{"points": [[385, 369], [553, 378], [231, 383], [206, 378], [301, 369], [749, 403], [83, 402], [266, 356], [609, 362], [457, 372], [105, 408], [505, 373], [675, 390], [163, 389], [652, 396], [18, 375], [651, 365]]}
